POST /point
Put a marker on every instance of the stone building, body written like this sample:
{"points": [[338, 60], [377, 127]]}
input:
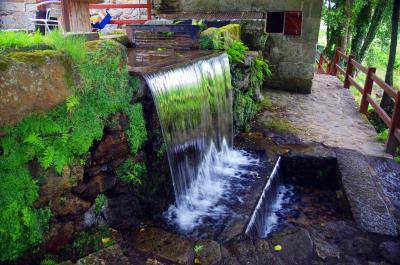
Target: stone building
{"points": [[292, 27], [15, 14]]}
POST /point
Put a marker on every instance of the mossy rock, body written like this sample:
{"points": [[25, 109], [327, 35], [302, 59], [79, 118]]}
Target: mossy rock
{"points": [[34, 57], [217, 38], [279, 125], [111, 48]]}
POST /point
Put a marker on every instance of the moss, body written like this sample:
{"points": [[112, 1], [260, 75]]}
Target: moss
{"points": [[279, 125], [34, 57], [4, 63]]}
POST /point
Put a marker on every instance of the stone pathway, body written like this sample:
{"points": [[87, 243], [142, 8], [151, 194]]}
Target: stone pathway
{"points": [[328, 115]]}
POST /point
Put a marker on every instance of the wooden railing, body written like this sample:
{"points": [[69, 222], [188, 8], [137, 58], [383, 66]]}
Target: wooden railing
{"points": [[125, 21], [333, 67]]}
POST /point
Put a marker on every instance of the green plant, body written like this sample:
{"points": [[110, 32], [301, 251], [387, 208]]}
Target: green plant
{"points": [[136, 131], [62, 135], [49, 261], [383, 135], [130, 171], [90, 241], [198, 248], [99, 202], [236, 51], [10, 40]]}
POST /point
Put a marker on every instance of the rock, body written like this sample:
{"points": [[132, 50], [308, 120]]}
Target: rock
{"points": [[249, 252], [366, 200], [60, 234], [110, 255], [164, 245], [297, 247], [99, 184], [31, 82], [53, 187], [112, 146], [122, 211], [209, 252], [357, 246], [69, 204], [390, 251]]}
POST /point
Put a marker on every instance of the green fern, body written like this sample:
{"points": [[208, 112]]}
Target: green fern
{"points": [[72, 102]]}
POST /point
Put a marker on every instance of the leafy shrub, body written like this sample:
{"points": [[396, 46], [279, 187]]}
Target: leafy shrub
{"points": [[130, 171], [99, 203], [236, 51], [60, 136], [383, 135], [136, 131], [90, 241], [21, 225]]}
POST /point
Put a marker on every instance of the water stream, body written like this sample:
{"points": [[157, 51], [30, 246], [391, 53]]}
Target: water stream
{"points": [[194, 104]]}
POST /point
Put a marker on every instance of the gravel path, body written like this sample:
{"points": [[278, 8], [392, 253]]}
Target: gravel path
{"points": [[328, 115]]}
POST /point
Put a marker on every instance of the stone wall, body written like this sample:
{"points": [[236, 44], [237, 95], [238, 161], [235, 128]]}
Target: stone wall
{"points": [[291, 57], [15, 14]]}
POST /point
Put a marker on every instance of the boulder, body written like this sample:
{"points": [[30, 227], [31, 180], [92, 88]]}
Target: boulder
{"points": [[390, 251], [32, 82], [60, 234], [98, 184], [69, 205], [111, 147], [110, 255], [171, 247], [208, 252]]}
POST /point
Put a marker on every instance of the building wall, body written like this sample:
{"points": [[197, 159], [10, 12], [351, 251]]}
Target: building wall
{"points": [[15, 14], [291, 57]]}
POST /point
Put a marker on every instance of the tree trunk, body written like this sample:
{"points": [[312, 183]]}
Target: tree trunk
{"points": [[346, 25], [386, 101], [360, 27], [373, 28]]}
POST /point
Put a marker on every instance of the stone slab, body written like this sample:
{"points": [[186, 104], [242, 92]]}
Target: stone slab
{"points": [[366, 201]]}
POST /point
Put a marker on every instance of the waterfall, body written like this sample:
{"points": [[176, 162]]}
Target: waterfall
{"points": [[194, 105]]}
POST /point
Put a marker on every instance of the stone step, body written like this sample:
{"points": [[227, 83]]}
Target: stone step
{"points": [[364, 193]]}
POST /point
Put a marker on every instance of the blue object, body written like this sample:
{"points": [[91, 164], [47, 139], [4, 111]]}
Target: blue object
{"points": [[103, 23]]}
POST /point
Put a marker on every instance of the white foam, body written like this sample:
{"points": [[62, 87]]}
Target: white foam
{"points": [[213, 182]]}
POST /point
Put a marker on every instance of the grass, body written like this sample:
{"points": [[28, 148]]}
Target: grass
{"points": [[10, 40], [279, 125]]}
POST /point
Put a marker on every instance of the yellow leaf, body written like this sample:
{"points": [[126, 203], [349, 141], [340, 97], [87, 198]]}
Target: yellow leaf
{"points": [[142, 229], [105, 240], [278, 248], [197, 261]]}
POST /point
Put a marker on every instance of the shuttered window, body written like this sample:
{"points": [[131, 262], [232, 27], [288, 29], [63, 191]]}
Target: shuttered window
{"points": [[293, 23]]}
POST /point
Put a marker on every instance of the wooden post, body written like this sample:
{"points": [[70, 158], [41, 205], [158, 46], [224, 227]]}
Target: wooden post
{"points": [[148, 9], [76, 16], [335, 61], [393, 142], [367, 90], [320, 70], [349, 71]]}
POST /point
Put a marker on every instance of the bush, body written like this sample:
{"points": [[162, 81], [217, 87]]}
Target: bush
{"points": [[61, 136], [130, 171]]}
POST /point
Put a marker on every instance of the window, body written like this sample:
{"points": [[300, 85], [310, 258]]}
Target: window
{"points": [[275, 21], [289, 23], [293, 22]]}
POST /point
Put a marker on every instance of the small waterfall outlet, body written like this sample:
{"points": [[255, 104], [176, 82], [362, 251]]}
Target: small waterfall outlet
{"points": [[194, 105]]}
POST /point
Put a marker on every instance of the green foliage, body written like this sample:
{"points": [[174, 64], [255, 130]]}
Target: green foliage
{"points": [[266, 103], [61, 135], [90, 241], [72, 46], [130, 171], [49, 261], [137, 133], [383, 135], [198, 248], [236, 51], [244, 109], [21, 225], [10, 40], [99, 202]]}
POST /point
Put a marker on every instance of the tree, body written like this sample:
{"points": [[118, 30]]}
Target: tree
{"points": [[376, 20], [386, 100]]}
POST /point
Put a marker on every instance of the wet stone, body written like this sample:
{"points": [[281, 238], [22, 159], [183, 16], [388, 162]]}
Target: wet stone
{"points": [[390, 251], [208, 252], [164, 245]]}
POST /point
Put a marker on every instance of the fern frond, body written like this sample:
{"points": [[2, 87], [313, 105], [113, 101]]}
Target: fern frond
{"points": [[48, 157]]}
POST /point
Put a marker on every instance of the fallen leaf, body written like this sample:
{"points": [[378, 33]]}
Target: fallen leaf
{"points": [[278, 248]]}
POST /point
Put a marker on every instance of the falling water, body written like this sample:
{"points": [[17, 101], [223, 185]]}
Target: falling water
{"points": [[264, 219], [194, 104]]}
